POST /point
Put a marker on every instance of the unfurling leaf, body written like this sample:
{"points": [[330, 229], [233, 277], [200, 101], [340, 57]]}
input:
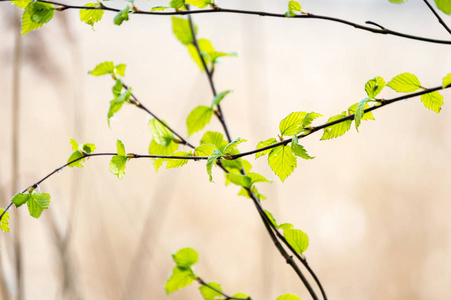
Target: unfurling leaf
{"points": [[79, 152], [282, 161], [116, 104], [360, 111], [119, 161], [218, 98], [177, 4], [297, 239], [294, 6], [374, 86], [211, 161], [122, 16], [299, 150], [36, 202], [405, 83]]}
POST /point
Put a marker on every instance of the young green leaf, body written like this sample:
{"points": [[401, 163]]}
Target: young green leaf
{"points": [[444, 5], [299, 150], [199, 3], [177, 163], [37, 202], [160, 133], [91, 16], [182, 30], [282, 161], [19, 199], [116, 104], [292, 124], [294, 6], [232, 145], [206, 48], [79, 151], [241, 295], [4, 223], [214, 138], [405, 83], [359, 112], [238, 179], [21, 3], [367, 116], [288, 297], [211, 161], [185, 258], [255, 177], [122, 16], [336, 130], [218, 98], [308, 119], [297, 239], [263, 144], [433, 101], [374, 86], [271, 218], [157, 149], [106, 67], [177, 4], [180, 278], [447, 80], [210, 294], [35, 15], [159, 8], [198, 118], [204, 150], [119, 161], [120, 69], [285, 226], [117, 88]]}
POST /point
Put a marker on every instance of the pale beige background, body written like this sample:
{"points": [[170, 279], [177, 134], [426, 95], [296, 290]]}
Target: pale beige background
{"points": [[376, 205]]}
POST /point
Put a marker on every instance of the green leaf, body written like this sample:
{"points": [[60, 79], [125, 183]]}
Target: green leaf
{"points": [[367, 116], [119, 161], [359, 112], [234, 164], [308, 119], [285, 226], [336, 130], [160, 133], [21, 3], [204, 150], [120, 69], [292, 124], [180, 278], [117, 88], [91, 16], [215, 56], [79, 163], [255, 177], [232, 145], [444, 5], [297, 239], [282, 161], [214, 138], [106, 67], [405, 83], [447, 80], [122, 16], [89, 148], [271, 218], [289, 296], [206, 48], [199, 3], [160, 8], [176, 163], [198, 118], [374, 86], [182, 30], [177, 3], [294, 6], [116, 104], [219, 97], [210, 294], [241, 295], [433, 101], [37, 202], [157, 149], [79, 152], [185, 258], [4, 223], [263, 144], [35, 15], [211, 161], [238, 179], [299, 150], [20, 199]]}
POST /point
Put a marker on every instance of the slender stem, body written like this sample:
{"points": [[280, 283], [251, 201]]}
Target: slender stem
{"points": [[141, 106], [202, 282], [440, 20], [257, 13]]}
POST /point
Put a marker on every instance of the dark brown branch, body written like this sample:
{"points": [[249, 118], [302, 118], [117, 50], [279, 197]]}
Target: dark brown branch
{"points": [[440, 20]]}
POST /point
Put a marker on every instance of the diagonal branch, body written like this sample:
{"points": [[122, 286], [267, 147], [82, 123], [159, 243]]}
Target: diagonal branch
{"points": [[227, 297], [440, 20]]}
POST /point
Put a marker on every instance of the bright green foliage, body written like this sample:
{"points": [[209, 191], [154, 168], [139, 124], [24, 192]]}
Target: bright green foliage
{"points": [[297, 239], [180, 278], [160, 133], [157, 149], [35, 15], [336, 130], [160, 8], [232, 145], [204, 150], [116, 104], [209, 54], [447, 80], [288, 297], [374, 86], [185, 258], [21, 3], [295, 122], [294, 6], [218, 98], [282, 161], [117, 88], [120, 69], [176, 163], [432, 101], [198, 118], [405, 83], [210, 294], [182, 30], [214, 138], [360, 112], [241, 295], [299, 150], [285, 226], [263, 144], [255, 177], [119, 161], [238, 179], [367, 116], [308, 119], [177, 4], [199, 3], [271, 218], [91, 16], [211, 161], [106, 67], [79, 151], [122, 16], [36, 202], [444, 5], [4, 223]]}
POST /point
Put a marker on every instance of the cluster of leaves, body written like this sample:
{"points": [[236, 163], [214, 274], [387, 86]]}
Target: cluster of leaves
{"points": [[35, 201]]}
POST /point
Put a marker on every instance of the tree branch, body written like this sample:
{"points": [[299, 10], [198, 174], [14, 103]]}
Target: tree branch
{"points": [[440, 20], [227, 297]]}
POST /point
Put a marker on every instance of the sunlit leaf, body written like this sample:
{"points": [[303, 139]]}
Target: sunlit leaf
{"points": [[21, 3], [182, 30], [336, 130], [106, 67], [299, 150], [198, 118], [447, 80], [374, 86], [4, 223], [282, 161], [288, 297], [122, 16], [297, 239], [199, 3], [211, 161], [214, 138], [157, 149], [405, 83], [37, 202], [185, 258], [218, 98], [444, 5], [209, 293], [160, 133], [91, 16], [180, 278], [263, 144], [432, 101], [232, 145], [177, 163]]}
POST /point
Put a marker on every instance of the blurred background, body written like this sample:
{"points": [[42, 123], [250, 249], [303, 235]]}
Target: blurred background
{"points": [[376, 204]]}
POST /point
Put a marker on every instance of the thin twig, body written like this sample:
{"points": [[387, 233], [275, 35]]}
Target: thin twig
{"points": [[257, 13], [202, 282], [440, 20]]}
